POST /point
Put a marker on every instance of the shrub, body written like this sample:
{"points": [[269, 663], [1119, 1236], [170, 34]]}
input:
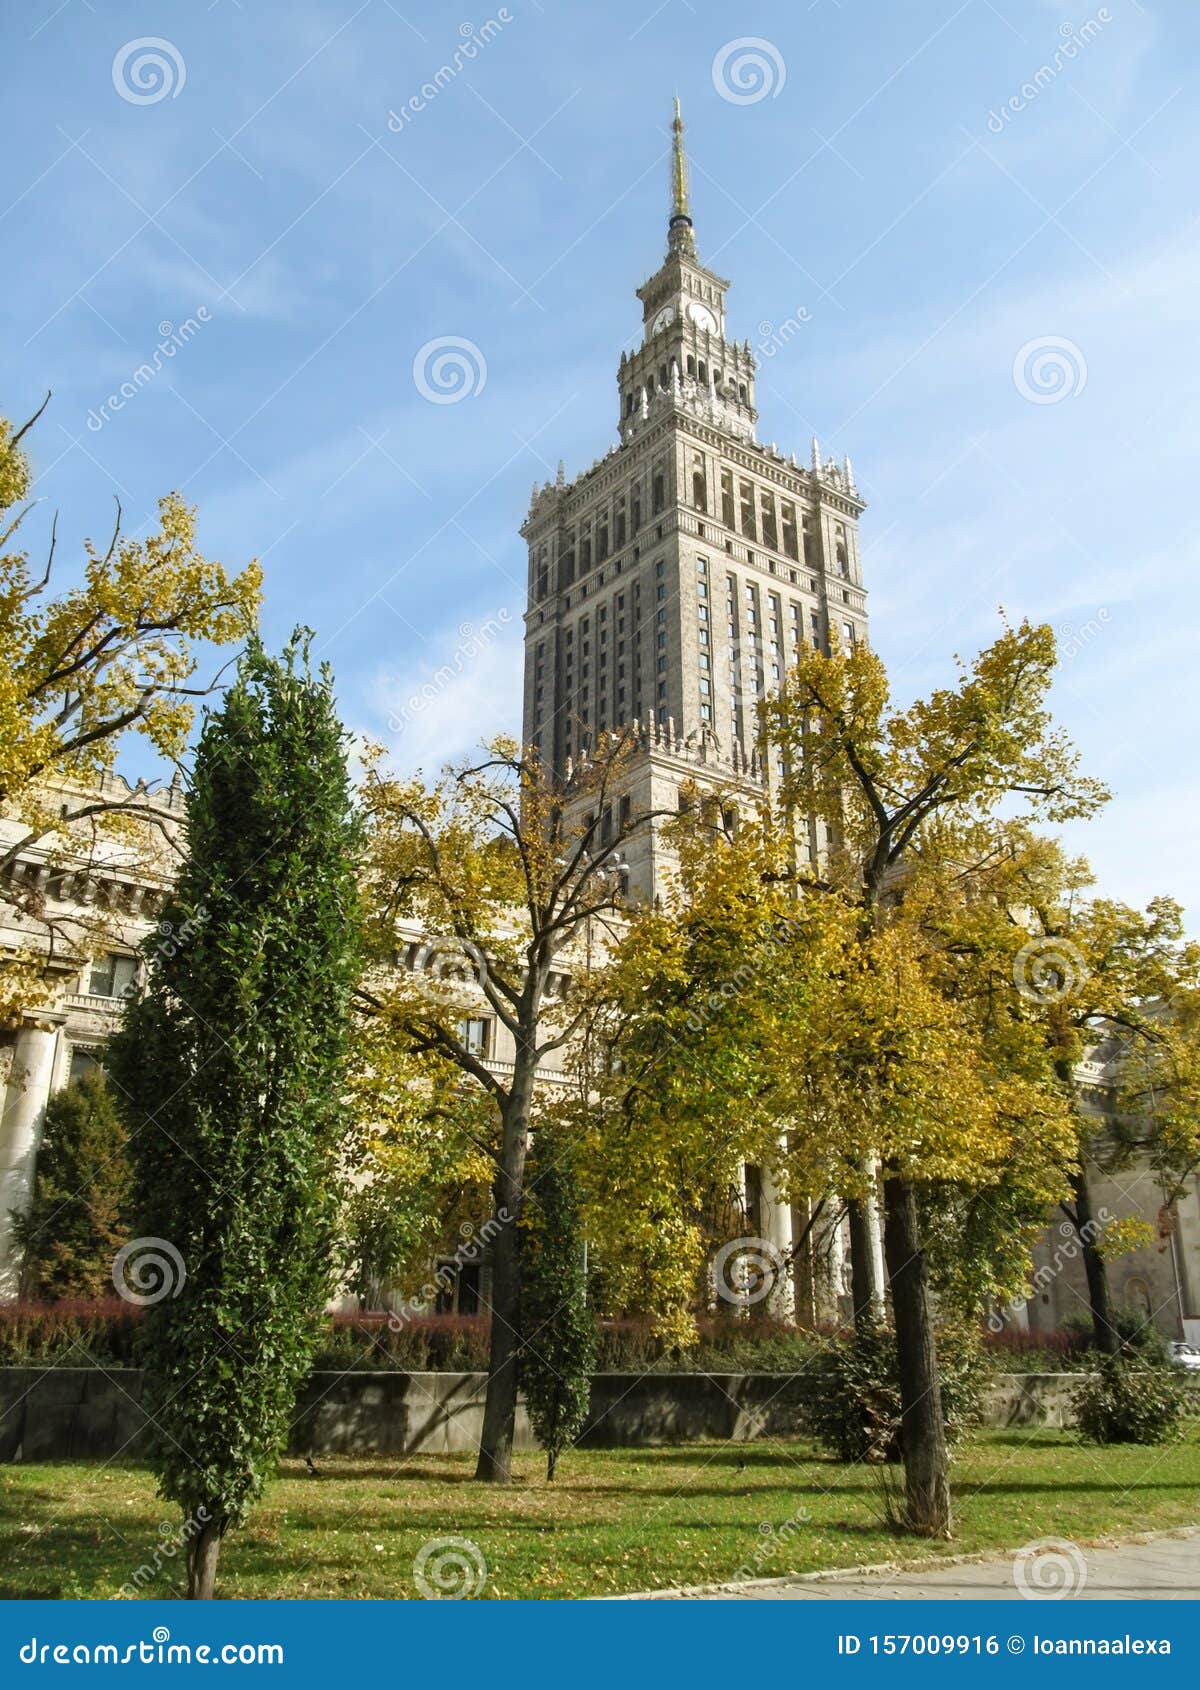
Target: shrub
{"points": [[853, 1408], [1125, 1401], [79, 1217], [433, 1343], [70, 1333], [558, 1330], [1017, 1351]]}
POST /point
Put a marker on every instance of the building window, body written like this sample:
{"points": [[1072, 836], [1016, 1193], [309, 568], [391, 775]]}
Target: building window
{"points": [[82, 1062], [476, 1034], [112, 976]]}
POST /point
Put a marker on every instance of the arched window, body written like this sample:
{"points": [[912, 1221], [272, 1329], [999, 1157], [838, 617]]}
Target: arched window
{"points": [[699, 487]]}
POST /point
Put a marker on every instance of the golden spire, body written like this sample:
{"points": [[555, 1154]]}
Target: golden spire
{"points": [[679, 178], [680, 237]]}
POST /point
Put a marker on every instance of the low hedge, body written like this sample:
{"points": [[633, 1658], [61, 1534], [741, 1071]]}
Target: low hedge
{"points": [[104, 1334]]}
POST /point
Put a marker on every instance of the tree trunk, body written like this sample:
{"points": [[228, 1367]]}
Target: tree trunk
{"points": [[500, 1403], [923, 1430], [551, 1463], [202, 1553], [1104, 1332], [865, 1288]]}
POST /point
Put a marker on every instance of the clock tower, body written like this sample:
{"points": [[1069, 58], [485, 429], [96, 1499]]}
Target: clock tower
{"points": [[683, 312], [672, 582]]}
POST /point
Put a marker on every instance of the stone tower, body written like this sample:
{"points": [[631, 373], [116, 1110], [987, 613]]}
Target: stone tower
{"points": [[671, 584]]}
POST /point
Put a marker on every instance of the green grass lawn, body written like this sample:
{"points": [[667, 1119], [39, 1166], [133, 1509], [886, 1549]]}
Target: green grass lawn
{"points": [[614, 1520]]}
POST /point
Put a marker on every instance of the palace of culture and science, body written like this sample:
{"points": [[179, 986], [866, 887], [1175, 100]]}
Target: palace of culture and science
{"points": [[670, 586]]}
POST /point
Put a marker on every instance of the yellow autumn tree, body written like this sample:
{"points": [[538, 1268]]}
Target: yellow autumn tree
{"points": [[113, 651], [883, 783]]}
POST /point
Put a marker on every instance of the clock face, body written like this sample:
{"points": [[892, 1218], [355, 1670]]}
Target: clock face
{"points": [[665, 317], [702, 317]]}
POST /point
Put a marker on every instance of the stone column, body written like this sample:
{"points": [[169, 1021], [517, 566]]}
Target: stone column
{"points": [[776, 1222], [25, 1099]]}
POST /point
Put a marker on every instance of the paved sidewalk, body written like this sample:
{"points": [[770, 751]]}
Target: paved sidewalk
{"points": [[1166, 1567]]}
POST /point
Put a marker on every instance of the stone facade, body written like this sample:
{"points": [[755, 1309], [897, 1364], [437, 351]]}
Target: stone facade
{"points": [[97, 900]]}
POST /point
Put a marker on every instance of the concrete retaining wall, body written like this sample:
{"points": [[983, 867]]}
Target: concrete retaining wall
{"points": [[50, 1414]]}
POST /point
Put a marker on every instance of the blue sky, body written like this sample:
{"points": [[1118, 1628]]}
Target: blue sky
{"points": [[986, 296]]}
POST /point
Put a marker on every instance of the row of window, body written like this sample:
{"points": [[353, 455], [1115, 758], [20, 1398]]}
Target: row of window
{"points": [[597, 536], [744, 507], [751, 645]]}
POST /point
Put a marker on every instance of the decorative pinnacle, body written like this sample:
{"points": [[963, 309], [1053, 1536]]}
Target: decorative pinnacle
{"points": [[679, 230]]}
